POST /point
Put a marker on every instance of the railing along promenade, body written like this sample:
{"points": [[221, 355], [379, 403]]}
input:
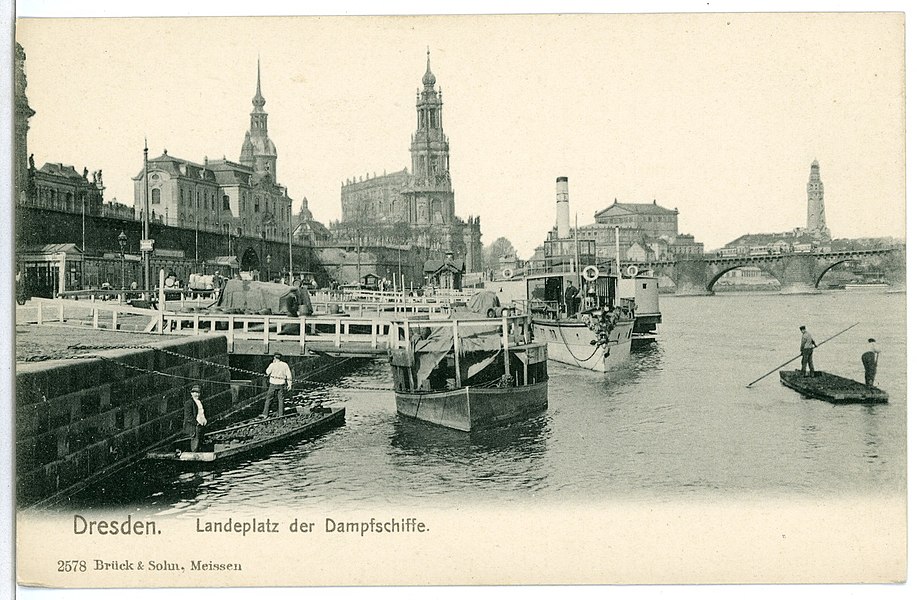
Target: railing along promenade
{"points": [[340, 326]]}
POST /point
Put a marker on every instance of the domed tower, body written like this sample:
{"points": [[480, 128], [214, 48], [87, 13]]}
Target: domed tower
{"points": [[430, 189], [258, 151]]}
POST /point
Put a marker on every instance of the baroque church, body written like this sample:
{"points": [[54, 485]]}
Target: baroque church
{"points": [[414, 207], [233, 198]]}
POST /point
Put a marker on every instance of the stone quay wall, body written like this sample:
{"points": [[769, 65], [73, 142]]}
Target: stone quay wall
{"points": [[78, 421]]}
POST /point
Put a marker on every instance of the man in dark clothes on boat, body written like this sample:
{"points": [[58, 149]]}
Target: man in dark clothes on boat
{"points": [[194, 418], [871, 361], [570, 299], [806, 348]]}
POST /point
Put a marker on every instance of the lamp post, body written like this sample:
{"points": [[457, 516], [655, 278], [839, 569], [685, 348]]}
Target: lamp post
{"points": [[122, 242], [268, 267], [263, 235]]}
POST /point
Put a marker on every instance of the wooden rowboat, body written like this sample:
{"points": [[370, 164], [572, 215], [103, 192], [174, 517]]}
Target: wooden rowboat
{"points": [[833, 388], [256, 434]]}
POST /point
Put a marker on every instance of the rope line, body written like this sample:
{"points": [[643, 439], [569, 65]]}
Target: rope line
{"points": [[560, 330], [305, 380], [215, 364]]}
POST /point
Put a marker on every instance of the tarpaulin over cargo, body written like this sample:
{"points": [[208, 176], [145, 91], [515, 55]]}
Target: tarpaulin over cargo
{"points": [[259, 297], [482, 301], [433, 344]]}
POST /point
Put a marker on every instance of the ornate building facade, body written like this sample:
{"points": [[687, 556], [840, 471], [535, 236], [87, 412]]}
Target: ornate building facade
{"points": [[55, 186], [646, 231], [236, 198], [418, 206]]}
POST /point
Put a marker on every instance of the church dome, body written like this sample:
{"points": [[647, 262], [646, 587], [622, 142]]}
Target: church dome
{"points": [[304, 213], [263, 146]]}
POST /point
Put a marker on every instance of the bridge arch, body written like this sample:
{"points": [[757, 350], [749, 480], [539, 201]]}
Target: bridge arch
{"points": [[732, 267], [831, 266]]}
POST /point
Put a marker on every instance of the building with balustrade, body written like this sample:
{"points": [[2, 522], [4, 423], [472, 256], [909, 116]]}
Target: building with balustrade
{"points": [[415, 206]]}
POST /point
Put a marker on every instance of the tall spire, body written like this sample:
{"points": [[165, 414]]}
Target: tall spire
{"points": [[258, 151], [258, 101], [429, 79]]}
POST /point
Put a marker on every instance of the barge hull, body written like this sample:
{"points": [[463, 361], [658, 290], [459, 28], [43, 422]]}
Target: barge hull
{"points": [[470, 409], [321, 422]]}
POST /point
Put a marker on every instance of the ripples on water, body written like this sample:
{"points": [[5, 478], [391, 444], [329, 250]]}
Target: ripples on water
{"points": [[675, 421]]}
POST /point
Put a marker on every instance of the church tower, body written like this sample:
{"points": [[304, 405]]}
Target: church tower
{"points": [[815, 214], [258, 151], [430, 189]]}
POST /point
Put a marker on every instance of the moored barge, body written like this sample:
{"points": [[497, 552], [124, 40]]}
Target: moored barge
{"points": [[469, 374]]}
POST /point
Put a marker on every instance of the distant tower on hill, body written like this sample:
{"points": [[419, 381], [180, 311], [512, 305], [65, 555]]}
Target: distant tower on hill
{"points": [[815, 215]]}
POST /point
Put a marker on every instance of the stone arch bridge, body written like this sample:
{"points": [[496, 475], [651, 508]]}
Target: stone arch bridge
{"points": [[797, 273]]}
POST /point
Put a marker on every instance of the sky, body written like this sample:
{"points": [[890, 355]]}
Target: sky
{"points": [[717, 115]]}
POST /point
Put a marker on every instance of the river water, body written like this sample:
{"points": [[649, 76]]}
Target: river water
{"points": [[675, 423]]}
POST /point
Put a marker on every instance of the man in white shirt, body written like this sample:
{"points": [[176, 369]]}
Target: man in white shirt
{"points": [[279, 377]]}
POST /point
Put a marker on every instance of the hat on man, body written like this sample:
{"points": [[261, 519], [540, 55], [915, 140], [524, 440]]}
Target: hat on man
{"points": [[871, 340], [278, 355], [802, 328], [196, 388]]}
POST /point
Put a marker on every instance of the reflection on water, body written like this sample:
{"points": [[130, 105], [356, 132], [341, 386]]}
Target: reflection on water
{"points": [[676, 420]]}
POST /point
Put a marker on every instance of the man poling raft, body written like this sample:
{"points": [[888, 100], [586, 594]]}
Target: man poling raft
{"points": [[870, 360], [823, 385], [802, 328]]}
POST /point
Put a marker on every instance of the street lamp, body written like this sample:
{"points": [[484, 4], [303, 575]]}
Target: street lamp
{"points": [[122, 242]]}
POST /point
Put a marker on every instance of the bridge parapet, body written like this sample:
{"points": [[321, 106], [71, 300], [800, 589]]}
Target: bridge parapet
{"points": [[797, 272]]}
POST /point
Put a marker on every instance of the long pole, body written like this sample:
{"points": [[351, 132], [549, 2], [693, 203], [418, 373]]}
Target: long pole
{"points": [[290, 280], [800, 354], [147, 284]]}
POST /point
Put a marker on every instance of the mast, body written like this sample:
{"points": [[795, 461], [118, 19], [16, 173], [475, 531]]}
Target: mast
{"points": [[576, 245]]}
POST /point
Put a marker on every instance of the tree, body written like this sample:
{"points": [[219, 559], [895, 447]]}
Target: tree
{"points": [[499, 248]]}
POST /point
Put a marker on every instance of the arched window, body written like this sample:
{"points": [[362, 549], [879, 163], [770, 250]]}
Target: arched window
{"points": [[225, 202], [155, 196]]}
